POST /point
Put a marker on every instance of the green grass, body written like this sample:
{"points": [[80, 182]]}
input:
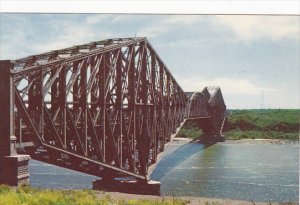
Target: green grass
{"points": [[255, 124], [26, 195], [211, 203], [190, 130], [277, 120], [257, 134], [263, 124], [191, 133]]}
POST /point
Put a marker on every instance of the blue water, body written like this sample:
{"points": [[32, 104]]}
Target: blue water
{"points": [[258, 172], [49, 176]]}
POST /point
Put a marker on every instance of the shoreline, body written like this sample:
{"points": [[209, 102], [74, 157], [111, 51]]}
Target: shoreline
{"points": [[192, 200], [242, 141], [262, 141]]}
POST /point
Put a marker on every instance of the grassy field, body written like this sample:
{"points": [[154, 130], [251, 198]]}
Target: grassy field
{"points": [[190, 130], [263, 124], [26, 195], [255, 124]]}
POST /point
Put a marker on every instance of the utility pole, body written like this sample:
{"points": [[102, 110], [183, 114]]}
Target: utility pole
{"points": [[262, 99]]}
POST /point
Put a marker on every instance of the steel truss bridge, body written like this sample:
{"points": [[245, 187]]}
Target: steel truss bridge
{"points": [[107, 108]]}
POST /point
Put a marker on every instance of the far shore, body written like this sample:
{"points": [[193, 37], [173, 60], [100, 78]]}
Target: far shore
{"points": [[245, 140], [263, 141]]}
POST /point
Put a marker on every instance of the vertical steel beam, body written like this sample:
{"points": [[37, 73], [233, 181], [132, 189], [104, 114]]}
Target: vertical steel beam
{"points": [[102, 101], [168, 113], [63, 104], [54, 92], [153, 110], [143, 142], [162, 107], [131, 79], [83, 104], [35, 100], [93, 89], [7, 115], [119, 102], [132, 100], [75, 87]]}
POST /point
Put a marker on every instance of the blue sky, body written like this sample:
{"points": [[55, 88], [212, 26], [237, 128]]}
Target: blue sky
{"points": [[244, 55]]}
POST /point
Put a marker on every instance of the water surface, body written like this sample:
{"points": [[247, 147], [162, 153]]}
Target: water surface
{"points": [[258, 172]]}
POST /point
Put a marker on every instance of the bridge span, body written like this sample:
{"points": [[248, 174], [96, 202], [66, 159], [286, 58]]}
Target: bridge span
{"points": [[108, 108]]}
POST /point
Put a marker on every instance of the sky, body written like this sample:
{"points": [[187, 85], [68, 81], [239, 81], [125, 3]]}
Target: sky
{"points": [[255, 59]]}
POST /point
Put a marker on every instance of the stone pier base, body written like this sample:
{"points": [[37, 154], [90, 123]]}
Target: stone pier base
{"points": [[212, 139], [14, 170], [131, 186], [221, 138]]}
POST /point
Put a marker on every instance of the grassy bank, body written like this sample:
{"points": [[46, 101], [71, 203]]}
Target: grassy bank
{"points": [[190, 130], [263, 124], [255, 124], [27, 195]]}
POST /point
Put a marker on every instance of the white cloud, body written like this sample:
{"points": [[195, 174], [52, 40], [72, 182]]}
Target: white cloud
{"points": [[67, 38], [153, 31], [97, 18], [56, 35], [167, 23], [184, 19], [227, 85], [255, 27], [243, 93], [13, 38], [244, 27], [70, 34], [127, 18]]}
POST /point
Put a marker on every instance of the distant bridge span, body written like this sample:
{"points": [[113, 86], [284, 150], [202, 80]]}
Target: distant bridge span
{"points": [[106, 108]]}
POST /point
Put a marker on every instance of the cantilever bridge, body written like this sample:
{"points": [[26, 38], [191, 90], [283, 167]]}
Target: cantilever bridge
{"points": [[106, 108]]}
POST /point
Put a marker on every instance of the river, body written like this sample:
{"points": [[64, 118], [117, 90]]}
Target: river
{"points": [[243, 171]]}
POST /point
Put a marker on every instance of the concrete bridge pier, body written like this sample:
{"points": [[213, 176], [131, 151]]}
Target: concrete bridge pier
{"points": [[128, 185], [131, 185], [209, 138], [211, 134], [13, 167]]}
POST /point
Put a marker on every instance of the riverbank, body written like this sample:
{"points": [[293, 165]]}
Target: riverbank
{"points": [[238, 134], [263, 124], [31, 196], [240, 141], [279, 124], [261, 141]]}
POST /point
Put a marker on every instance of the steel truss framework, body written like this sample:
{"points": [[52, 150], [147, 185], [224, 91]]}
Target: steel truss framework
{"points": [[208, 105], [108, 105]]}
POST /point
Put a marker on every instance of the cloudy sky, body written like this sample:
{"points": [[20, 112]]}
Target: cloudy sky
{"points": [[247, 56]]}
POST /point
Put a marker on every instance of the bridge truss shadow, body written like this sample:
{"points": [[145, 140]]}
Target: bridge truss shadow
{"points": [[175, 156]]}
